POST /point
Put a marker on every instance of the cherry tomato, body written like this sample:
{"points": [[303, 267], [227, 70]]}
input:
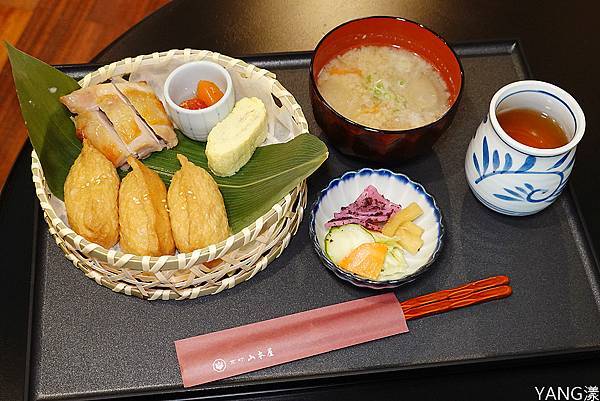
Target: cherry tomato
{"points": [[193, 104], [208, 92]]}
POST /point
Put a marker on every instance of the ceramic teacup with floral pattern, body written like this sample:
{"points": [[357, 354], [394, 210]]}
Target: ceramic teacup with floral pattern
{"points": [[510, 177]]}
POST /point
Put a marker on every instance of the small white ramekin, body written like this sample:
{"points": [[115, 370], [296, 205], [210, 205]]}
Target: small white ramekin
{"points": [[181, 85]]}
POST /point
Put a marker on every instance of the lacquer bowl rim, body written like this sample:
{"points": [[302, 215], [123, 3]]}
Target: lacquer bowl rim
{"points": [[414, 130]]}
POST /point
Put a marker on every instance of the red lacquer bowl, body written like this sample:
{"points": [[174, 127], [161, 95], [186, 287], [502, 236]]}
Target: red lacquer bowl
{"points": [[384, 146]]}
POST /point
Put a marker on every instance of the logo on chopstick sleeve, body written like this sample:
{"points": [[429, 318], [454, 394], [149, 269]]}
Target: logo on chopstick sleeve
{"points": [[219, 365]]}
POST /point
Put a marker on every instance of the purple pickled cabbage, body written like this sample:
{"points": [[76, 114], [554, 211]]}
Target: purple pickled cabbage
{"points": [[371, 210]]}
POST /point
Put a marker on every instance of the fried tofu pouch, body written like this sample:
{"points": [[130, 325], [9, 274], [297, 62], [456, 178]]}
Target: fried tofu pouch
{"points": [[143, 216], [91, 197], [198, 214]]}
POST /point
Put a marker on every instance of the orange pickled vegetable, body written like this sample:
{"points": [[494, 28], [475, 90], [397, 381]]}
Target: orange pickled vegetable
{"points": [[193, 104], [366, 260], [208, 92]]}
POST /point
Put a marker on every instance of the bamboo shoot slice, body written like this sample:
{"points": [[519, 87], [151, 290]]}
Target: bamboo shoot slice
{"points": [[410, 242], [412, 228], [408, 213]]}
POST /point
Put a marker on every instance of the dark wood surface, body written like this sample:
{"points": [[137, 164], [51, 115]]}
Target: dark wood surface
{"points": [[58, 32], [560, 42]]}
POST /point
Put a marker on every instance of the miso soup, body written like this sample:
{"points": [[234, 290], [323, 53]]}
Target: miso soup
{"points": [[384, 87]]}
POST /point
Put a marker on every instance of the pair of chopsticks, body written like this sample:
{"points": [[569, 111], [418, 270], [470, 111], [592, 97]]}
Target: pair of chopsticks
{"points": [[446, 300]]}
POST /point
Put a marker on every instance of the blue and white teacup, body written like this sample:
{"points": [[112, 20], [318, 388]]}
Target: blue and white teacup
{"points": [[510, 177]]}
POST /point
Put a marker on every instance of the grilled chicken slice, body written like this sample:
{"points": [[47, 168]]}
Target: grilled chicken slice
{"points": [[95, 127], [134, 132], [81, 100], [145, 102]]}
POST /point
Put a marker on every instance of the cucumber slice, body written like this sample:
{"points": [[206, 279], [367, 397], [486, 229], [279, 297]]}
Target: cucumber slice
{"points": [[340, 241], [384, 239]]}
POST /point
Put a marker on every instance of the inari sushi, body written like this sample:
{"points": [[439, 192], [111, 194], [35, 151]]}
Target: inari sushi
{"points": [[198, 215], [91, 193], [143, 216]]}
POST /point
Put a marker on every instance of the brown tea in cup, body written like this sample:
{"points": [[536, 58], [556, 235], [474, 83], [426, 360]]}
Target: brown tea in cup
{"points": [[532, 128]]}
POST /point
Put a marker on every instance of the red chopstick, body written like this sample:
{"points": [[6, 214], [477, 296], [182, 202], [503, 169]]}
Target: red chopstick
{"points": [[446, 300]]}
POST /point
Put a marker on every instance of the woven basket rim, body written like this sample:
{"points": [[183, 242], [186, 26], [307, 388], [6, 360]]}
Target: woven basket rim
{"points": [[285, 229], [213, 251]]}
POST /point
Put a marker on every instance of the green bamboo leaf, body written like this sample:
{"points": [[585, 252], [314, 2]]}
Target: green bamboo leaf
{"points": [[51, 130], [272, 172]]}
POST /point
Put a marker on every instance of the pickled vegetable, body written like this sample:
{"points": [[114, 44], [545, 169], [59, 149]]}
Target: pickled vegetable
{"points": [[208, 92], [366, 260], [193, 104]]}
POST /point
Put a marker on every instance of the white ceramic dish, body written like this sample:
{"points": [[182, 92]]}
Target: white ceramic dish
{"points": [[181, 85], [397, 188]]}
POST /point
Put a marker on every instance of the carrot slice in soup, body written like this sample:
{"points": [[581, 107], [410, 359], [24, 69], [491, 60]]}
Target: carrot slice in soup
{"points": [[344, 71]]}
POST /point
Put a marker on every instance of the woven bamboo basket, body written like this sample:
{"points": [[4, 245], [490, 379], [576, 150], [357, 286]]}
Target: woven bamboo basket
{"points": [[204, 271]]}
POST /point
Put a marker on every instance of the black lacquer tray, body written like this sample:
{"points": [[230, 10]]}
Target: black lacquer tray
{"points": [[87, 342]]}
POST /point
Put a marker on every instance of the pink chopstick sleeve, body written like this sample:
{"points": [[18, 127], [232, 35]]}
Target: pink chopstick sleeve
{"points": [[238, 350]]}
